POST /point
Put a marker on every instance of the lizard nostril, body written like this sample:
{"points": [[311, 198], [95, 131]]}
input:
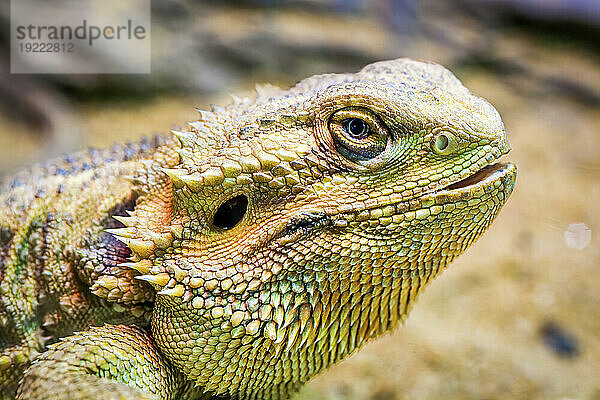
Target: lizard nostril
{"points": [[231, 212]]}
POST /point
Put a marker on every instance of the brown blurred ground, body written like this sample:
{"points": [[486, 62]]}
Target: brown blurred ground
{"points": [[481, 331]]}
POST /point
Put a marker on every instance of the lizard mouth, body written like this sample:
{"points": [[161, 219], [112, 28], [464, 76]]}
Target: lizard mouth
{"points": [[498, 177], [486, 174]]}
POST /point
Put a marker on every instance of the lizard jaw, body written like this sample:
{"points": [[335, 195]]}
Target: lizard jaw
{"points": [[492, 178]]}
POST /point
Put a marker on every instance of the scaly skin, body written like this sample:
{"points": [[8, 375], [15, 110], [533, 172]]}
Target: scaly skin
{"points": [[350, 193]]}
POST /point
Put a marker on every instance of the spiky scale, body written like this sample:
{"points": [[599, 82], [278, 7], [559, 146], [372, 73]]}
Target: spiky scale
{"points": [[123, 234], [127, 221], [194, 182], [159, 280], [143, 266], [161, 240], [186, 139], [205, 115], [175, 176], [213, 176], [292, 335], [143, 248], [216, 108], [176, 291]]}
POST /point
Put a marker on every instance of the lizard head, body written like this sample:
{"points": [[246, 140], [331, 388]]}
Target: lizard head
{"points": [[284, 231]]}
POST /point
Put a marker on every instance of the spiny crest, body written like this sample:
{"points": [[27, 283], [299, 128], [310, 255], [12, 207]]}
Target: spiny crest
{"points": [[143, 243], [139, 238], [211, 156]]}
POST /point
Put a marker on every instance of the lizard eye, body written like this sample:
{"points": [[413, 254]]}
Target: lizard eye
{"points": [[356, 127], [357, 133]]}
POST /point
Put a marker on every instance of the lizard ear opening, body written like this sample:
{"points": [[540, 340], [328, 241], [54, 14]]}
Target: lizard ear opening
{"points": [[231, 212]]}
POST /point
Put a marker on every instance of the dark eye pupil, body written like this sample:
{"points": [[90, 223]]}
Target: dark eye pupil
{"points": [[356, 127]]}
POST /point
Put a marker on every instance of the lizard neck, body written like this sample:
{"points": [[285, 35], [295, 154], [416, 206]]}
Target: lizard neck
{"points": [[273, 346]]}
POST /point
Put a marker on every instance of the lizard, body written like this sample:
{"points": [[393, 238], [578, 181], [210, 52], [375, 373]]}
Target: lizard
{"points": [[241, 255]]}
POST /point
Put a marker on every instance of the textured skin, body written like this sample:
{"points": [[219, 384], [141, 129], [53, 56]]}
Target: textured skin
{"points": [[339, 236]]}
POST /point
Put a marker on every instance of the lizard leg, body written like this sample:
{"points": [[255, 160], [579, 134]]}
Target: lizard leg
{"points": [[110, 362]]}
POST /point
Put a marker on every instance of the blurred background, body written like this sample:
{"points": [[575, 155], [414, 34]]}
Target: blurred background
{"points": [[518, 316]]}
